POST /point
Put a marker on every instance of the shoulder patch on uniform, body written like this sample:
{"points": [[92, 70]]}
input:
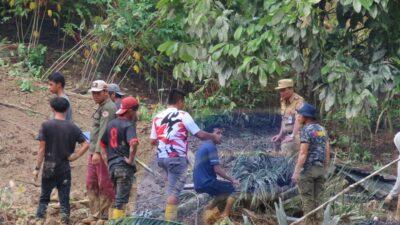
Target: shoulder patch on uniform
{"points": [[105, 114]]}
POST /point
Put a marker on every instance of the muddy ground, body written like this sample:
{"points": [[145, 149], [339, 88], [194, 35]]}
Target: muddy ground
{"points": [[18, 149], [21, 120]]}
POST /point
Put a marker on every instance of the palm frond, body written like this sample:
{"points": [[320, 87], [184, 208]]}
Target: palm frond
{"points": [[262, 176]]}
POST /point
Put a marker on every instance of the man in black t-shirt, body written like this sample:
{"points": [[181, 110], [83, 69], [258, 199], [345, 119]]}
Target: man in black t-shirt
{"points": [[58, 138], [119, 144]]}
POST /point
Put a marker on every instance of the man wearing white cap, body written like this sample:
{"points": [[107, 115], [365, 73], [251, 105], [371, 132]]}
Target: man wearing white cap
{"points": [[290, 102], [98, 183]]}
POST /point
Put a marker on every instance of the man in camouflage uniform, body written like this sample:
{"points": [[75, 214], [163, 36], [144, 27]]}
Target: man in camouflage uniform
{"points": [[312, 163], [290, 102], [99, 186]]}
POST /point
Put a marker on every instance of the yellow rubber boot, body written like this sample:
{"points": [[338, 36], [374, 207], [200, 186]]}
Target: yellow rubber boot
{"points": [[118, 214], [171, 212]]}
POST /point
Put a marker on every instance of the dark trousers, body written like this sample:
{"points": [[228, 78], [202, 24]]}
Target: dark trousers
{"points": [[311, 187], [123, 178], [63, 184]]}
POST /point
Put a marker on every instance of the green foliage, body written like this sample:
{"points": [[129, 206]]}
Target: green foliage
{"points": [[354, 88], [345, 49], [71, 16], [30, 65], [344, 54], [136, 26], [359, 153], [26, 85], [32, 58], [146, 115]]}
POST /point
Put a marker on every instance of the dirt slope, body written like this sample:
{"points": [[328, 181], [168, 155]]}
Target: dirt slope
{"points": [[18, 147]]}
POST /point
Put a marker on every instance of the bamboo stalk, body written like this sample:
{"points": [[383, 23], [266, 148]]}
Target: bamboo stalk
{"points": [[72, 51], [99, 59], [116, 62], [123, 78], [123, 60], [90, 66], [345, 191]]}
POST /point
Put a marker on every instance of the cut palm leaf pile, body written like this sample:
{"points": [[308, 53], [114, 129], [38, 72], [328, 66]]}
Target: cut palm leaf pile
{"points": [[262, 177]]}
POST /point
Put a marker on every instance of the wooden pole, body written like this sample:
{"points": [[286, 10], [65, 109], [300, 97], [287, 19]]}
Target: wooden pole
{"points": [[345, 191], [397, 217]]}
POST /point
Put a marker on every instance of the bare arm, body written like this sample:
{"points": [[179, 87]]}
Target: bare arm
{"points": [[81, 151], [281, 130], [221, 172], [132, 153], [39, 160], [296, 126], [301, 160], [40, 156], [202, 135], [327, 155], [279, 135]]}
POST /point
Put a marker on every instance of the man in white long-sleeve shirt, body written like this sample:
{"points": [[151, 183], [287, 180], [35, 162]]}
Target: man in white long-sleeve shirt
{"points": [[396, 188]]}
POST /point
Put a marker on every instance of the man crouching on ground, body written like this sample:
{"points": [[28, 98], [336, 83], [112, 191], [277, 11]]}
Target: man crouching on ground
{"points": [[58, 138], [312, 163], [206, 169], [119, 143]]}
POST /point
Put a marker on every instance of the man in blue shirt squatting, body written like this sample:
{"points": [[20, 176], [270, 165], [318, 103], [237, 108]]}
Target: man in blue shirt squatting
{"points": [[206, 168]]}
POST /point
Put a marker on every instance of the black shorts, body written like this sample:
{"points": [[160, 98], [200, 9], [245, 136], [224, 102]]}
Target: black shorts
{"points": [[218, 188]]}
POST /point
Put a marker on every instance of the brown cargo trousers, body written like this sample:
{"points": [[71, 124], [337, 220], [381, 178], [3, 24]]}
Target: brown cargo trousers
{"points": [[311, 187]]}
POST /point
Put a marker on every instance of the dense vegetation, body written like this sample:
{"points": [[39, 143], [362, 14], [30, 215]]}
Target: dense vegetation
{"points": [[343, 54]]}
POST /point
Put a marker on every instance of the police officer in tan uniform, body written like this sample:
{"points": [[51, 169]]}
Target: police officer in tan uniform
{"points": [[290, 102]]}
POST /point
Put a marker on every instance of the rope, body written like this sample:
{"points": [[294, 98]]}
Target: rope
{"points": [[344, 191]]}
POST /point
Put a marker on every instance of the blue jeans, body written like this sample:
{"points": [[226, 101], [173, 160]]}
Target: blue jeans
{"points": [[63, 184]]}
